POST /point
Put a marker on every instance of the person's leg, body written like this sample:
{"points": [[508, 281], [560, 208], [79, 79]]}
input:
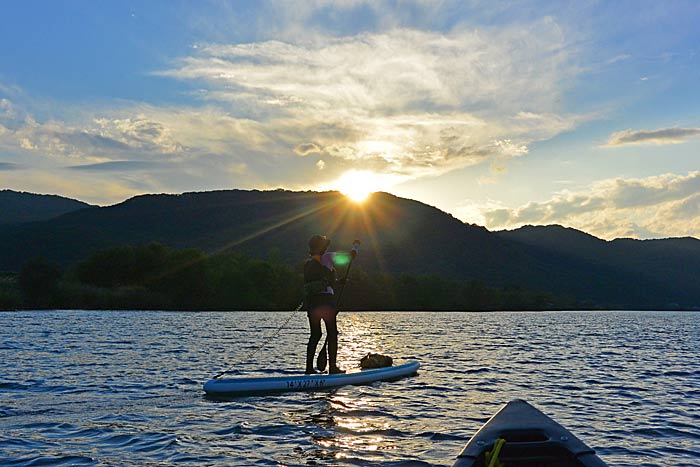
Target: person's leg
{"points": [[332, 331], [315, 327]]}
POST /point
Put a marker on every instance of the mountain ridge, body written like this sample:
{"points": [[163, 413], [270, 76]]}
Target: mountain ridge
{"points": [[400, 236], [17, 207]]}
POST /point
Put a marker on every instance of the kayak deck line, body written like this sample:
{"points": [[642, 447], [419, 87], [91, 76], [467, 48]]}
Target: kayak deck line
{"points": [[272, 384], [532, 439]]}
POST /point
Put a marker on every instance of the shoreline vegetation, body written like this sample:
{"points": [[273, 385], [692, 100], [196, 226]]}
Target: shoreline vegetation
{"points": [[416, 256], [154, 276]]}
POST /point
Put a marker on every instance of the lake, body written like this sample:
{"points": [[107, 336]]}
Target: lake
{"points": [[125, 387]]}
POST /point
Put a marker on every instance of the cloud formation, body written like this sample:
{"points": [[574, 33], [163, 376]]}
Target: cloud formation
{"points": [[658, 206], [304, 149], [93, 139], [131, 149], [661, 136], [405, 103], [408, 102], [136, 132], [9, 166], [118, 166]]}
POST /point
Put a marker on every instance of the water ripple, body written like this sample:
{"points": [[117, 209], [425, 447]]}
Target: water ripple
{"points": [[124, 388]]}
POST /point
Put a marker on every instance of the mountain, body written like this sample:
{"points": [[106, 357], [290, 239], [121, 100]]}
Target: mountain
{"points": [[399, 235], [651, 268], [18, 207]]}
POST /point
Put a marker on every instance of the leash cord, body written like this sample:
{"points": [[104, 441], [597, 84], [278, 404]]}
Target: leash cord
{"points": [[265, 342]]}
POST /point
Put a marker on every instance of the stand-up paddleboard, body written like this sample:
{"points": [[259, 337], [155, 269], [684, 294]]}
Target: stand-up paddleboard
{"points": [[264, 385]]}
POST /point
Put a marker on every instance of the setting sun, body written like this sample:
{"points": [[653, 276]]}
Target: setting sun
{"points": [[359, 184]]}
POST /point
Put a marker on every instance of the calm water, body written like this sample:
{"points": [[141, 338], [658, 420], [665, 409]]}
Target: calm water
{"points": [[124, 388]]}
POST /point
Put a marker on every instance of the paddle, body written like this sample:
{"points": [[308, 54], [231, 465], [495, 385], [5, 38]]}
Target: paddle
{"points": [[323, 354]]}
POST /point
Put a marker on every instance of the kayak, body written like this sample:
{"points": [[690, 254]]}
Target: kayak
{"points": [[531, 439], [265, 385]]}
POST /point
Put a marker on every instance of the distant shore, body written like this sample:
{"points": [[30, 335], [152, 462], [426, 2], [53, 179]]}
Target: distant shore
{"points": [[155, 277]]}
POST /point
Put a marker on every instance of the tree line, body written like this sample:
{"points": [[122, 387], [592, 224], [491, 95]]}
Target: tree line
{"points": [[155, 276]]}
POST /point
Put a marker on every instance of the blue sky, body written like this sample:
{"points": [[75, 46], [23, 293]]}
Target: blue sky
{"points": [[585, 114]]}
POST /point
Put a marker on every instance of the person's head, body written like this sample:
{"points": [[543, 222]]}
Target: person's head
{"points": [[318, 244]]}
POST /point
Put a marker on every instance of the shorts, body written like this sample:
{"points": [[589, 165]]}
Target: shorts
{"points": [[322, 299]]}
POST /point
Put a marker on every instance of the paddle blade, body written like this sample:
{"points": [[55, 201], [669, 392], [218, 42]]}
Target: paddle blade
{"points": [[322, 358]]}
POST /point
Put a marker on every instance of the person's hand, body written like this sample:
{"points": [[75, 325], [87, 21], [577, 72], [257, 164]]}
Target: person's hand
{"points": [[353, 253]]}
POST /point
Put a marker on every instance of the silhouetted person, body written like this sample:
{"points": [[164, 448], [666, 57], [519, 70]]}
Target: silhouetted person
{"points": [[319, 299]]}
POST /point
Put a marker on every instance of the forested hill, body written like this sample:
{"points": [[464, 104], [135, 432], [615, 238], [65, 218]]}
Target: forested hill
{"points": [[399, 235], [17, 207], [669, 267]]}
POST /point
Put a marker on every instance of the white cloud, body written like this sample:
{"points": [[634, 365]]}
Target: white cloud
{"points": [[404, 101], [90, 139], [474, 212], [661, 136], [138, 132], [132, 149], [10, 116], [10, 90], [304, 149], [658, 206]]}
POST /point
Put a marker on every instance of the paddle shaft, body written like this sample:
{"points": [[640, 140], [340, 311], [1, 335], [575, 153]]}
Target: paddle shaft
{"points": [[342, 289]]}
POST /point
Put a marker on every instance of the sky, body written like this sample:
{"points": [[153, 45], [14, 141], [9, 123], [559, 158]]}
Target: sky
{"points": [[503, 114]]}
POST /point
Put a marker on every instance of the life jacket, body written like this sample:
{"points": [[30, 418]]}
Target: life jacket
{"points": [[317, 278]]}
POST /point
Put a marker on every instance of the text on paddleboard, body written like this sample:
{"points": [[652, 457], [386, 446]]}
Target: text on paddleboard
{"points": [[307, 383]]}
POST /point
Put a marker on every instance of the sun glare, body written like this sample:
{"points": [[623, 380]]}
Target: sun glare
{"points": [[359, 184]]}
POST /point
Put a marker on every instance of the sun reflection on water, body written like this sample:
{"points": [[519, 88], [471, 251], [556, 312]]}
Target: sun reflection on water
{"points": [[349, 424], [357, 338]]}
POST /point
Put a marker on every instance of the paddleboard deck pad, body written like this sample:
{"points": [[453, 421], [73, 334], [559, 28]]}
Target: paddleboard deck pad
{"points": [[265, 385]]}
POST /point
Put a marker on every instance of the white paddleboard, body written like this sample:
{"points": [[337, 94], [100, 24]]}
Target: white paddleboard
{"points": [[262, 385]]}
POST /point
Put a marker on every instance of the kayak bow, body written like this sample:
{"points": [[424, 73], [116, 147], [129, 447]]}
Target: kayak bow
{"points": [[532, 439]]}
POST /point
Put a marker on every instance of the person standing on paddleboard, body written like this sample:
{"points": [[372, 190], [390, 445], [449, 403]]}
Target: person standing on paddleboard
{"points": [[319, 298]]}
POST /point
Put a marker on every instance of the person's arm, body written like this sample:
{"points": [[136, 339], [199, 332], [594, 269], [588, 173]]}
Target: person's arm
{"points": [[345, 258], [340, 258]]}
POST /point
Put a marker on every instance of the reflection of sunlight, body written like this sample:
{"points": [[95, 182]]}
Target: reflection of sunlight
{"points": [[357, 339], [358, 433], [356, 423], [358, 427]]}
